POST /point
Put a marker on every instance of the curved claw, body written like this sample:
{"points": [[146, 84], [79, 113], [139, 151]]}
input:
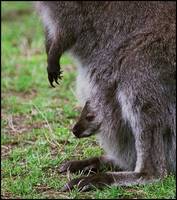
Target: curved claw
{"points": [[60, 76], [54, 75], [86, 183], [50, 80], [52, 84], [57, 82], [69, 186], [83, 184]]}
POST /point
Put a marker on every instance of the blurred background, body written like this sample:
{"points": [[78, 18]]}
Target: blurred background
{"points": [[36, 119]]}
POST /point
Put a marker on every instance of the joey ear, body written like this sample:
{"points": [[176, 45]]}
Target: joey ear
{"points": [[87, 102]]}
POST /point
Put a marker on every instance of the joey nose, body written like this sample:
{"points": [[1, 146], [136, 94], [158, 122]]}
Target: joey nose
{"points": [[76, 130]]}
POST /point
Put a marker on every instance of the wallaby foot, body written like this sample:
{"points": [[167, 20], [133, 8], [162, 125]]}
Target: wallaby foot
{"points": [[86, 183]]}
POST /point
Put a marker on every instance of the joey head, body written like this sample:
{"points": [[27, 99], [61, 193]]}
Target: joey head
{"points": [[87, 124]]}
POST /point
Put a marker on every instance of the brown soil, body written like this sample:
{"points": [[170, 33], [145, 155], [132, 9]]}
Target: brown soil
{"points": [[8, 195], [26, 95], [18, 124], [15, 14]]}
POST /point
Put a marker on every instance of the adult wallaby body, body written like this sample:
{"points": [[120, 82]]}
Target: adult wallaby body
{"points": [[127, 55]]}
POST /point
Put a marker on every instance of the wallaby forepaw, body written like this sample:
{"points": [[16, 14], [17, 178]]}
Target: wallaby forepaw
{"points": [[54, 73]]}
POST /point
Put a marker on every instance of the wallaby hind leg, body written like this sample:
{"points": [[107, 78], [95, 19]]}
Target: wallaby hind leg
{"points": [[93, 164], [146, 122], [86, 183]]}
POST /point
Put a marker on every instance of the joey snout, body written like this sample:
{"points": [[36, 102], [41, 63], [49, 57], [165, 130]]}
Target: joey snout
{"points": [[77, 130]]}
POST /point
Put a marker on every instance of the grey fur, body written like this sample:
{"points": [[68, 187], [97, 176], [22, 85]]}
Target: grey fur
{"points": [[128, 50]]}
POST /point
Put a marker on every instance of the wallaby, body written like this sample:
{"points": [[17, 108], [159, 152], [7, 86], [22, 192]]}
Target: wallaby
{"points": [[127, 56]]}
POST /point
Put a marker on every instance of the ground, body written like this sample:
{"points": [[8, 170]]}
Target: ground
{"points": [[37, 119]]}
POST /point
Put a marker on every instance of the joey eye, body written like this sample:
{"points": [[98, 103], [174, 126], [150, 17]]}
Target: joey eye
{"points": [[90, 117]]}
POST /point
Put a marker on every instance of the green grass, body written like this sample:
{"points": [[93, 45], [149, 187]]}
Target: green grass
{"points": [[36, 119]]}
